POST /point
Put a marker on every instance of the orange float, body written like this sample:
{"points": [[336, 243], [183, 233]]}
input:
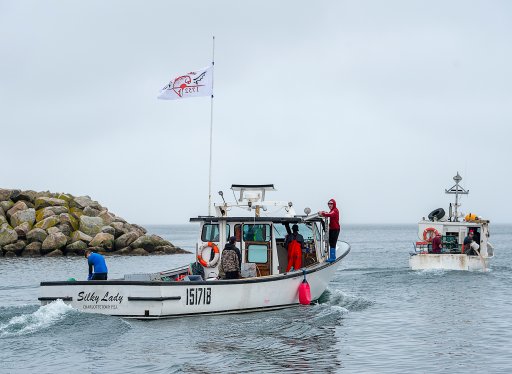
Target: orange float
{"points": [[216, 257]]}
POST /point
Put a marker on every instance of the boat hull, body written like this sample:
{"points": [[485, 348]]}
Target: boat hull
{"points": [[448, 261], [153, 300]]}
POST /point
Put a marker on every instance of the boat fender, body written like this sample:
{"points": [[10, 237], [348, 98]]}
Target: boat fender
{"points": [[429, 233], [304, 291], [216, 257]]}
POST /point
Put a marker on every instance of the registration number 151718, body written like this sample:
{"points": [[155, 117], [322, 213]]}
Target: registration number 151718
{"points": [[198, 296]]}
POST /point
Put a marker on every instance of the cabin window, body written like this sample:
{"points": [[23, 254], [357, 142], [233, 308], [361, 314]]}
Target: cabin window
{"points": [[317, 232], [306, 231], [256, 233], [279, 232], [210, 233], [238, 232], [257, 253]]}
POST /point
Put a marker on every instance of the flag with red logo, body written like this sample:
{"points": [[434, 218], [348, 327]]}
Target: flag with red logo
{"points": [[193, 84]]}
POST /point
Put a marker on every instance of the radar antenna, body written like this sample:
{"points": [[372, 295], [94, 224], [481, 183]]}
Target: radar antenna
{"points": [[456, 190]]}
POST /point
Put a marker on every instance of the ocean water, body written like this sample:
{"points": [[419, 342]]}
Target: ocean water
{"points": [[377, 316]]}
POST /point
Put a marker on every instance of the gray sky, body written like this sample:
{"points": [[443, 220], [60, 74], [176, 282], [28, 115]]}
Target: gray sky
{"points": [[375, 103]]}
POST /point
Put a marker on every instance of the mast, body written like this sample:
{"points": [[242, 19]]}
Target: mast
{"points": [[211, 135], [456, 190]]}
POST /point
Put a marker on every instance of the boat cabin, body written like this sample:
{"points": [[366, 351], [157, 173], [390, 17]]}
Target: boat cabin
{"points": [[453, 234], [259, 236]]}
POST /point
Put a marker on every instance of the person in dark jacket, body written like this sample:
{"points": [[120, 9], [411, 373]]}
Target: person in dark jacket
{"points": [[294, 243], [437, 244], [231, 260], [467, 244], [96, 261], [334, 227]]}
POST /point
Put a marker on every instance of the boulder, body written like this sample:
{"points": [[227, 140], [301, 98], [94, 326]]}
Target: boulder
{"points": [[91, 225], [22, 230], [78, 235], [5, 194], [9, 254], [24, 195], [133, 228], [32, 250], [65, 196], [55, 253], [53, 230], [149, 242], [139, 252], [7, 235], [28, 216], [43, 213], [83, 202], [170, 250], [66, 218], [123, 251], [103, 240], [91, 212], [119, 219], [2, 213], [77, 246], [107, 217], [76, 212], [108, 230], [36, 235], [50, 211], [54, 241], [119, 228], [140, 228], [20, 205], [48, 222], [76, 249], [43, 202], [3, 220], [126, 239], [17, 247], [6, 205], [65, 229]]}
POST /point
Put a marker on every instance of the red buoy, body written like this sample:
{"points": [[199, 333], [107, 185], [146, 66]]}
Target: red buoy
{"points": [[304, 291]]}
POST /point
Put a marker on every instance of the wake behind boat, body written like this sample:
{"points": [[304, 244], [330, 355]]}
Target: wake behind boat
{"points": [[452, 243], [195, 289]]}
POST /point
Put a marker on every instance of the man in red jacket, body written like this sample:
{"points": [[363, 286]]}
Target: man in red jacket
{"points": [[334, 227]]}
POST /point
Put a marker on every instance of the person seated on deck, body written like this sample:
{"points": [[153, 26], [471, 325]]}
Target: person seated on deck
{"points": [[96, 261], [437, 244], [466, 247], [294, 243], [231, 261]]}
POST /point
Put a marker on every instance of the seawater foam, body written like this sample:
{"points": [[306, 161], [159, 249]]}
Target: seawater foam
{"points": [[45, 316], [337, 298]]}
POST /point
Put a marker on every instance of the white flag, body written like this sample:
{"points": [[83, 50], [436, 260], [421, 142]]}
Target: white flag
{"points": [[193, 84]]}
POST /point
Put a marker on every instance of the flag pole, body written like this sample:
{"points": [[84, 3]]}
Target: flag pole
{"points": [[211, 134]]}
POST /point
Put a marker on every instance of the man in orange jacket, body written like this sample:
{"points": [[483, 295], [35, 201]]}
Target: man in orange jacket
{"points": [[294, 242]]}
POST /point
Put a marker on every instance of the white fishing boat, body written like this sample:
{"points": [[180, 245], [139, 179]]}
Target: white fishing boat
{"points": [[265, 284], [451, 231]]}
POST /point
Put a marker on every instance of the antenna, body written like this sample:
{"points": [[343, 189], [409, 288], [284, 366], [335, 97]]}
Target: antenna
{"points": [[456, 190]]}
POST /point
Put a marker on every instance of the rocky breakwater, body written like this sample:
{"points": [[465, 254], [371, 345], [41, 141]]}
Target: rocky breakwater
{"points": [[58, 224]]}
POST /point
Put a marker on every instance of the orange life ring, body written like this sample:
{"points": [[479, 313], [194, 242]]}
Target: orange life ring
{"points": [[429, 234], [216, 257]]}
